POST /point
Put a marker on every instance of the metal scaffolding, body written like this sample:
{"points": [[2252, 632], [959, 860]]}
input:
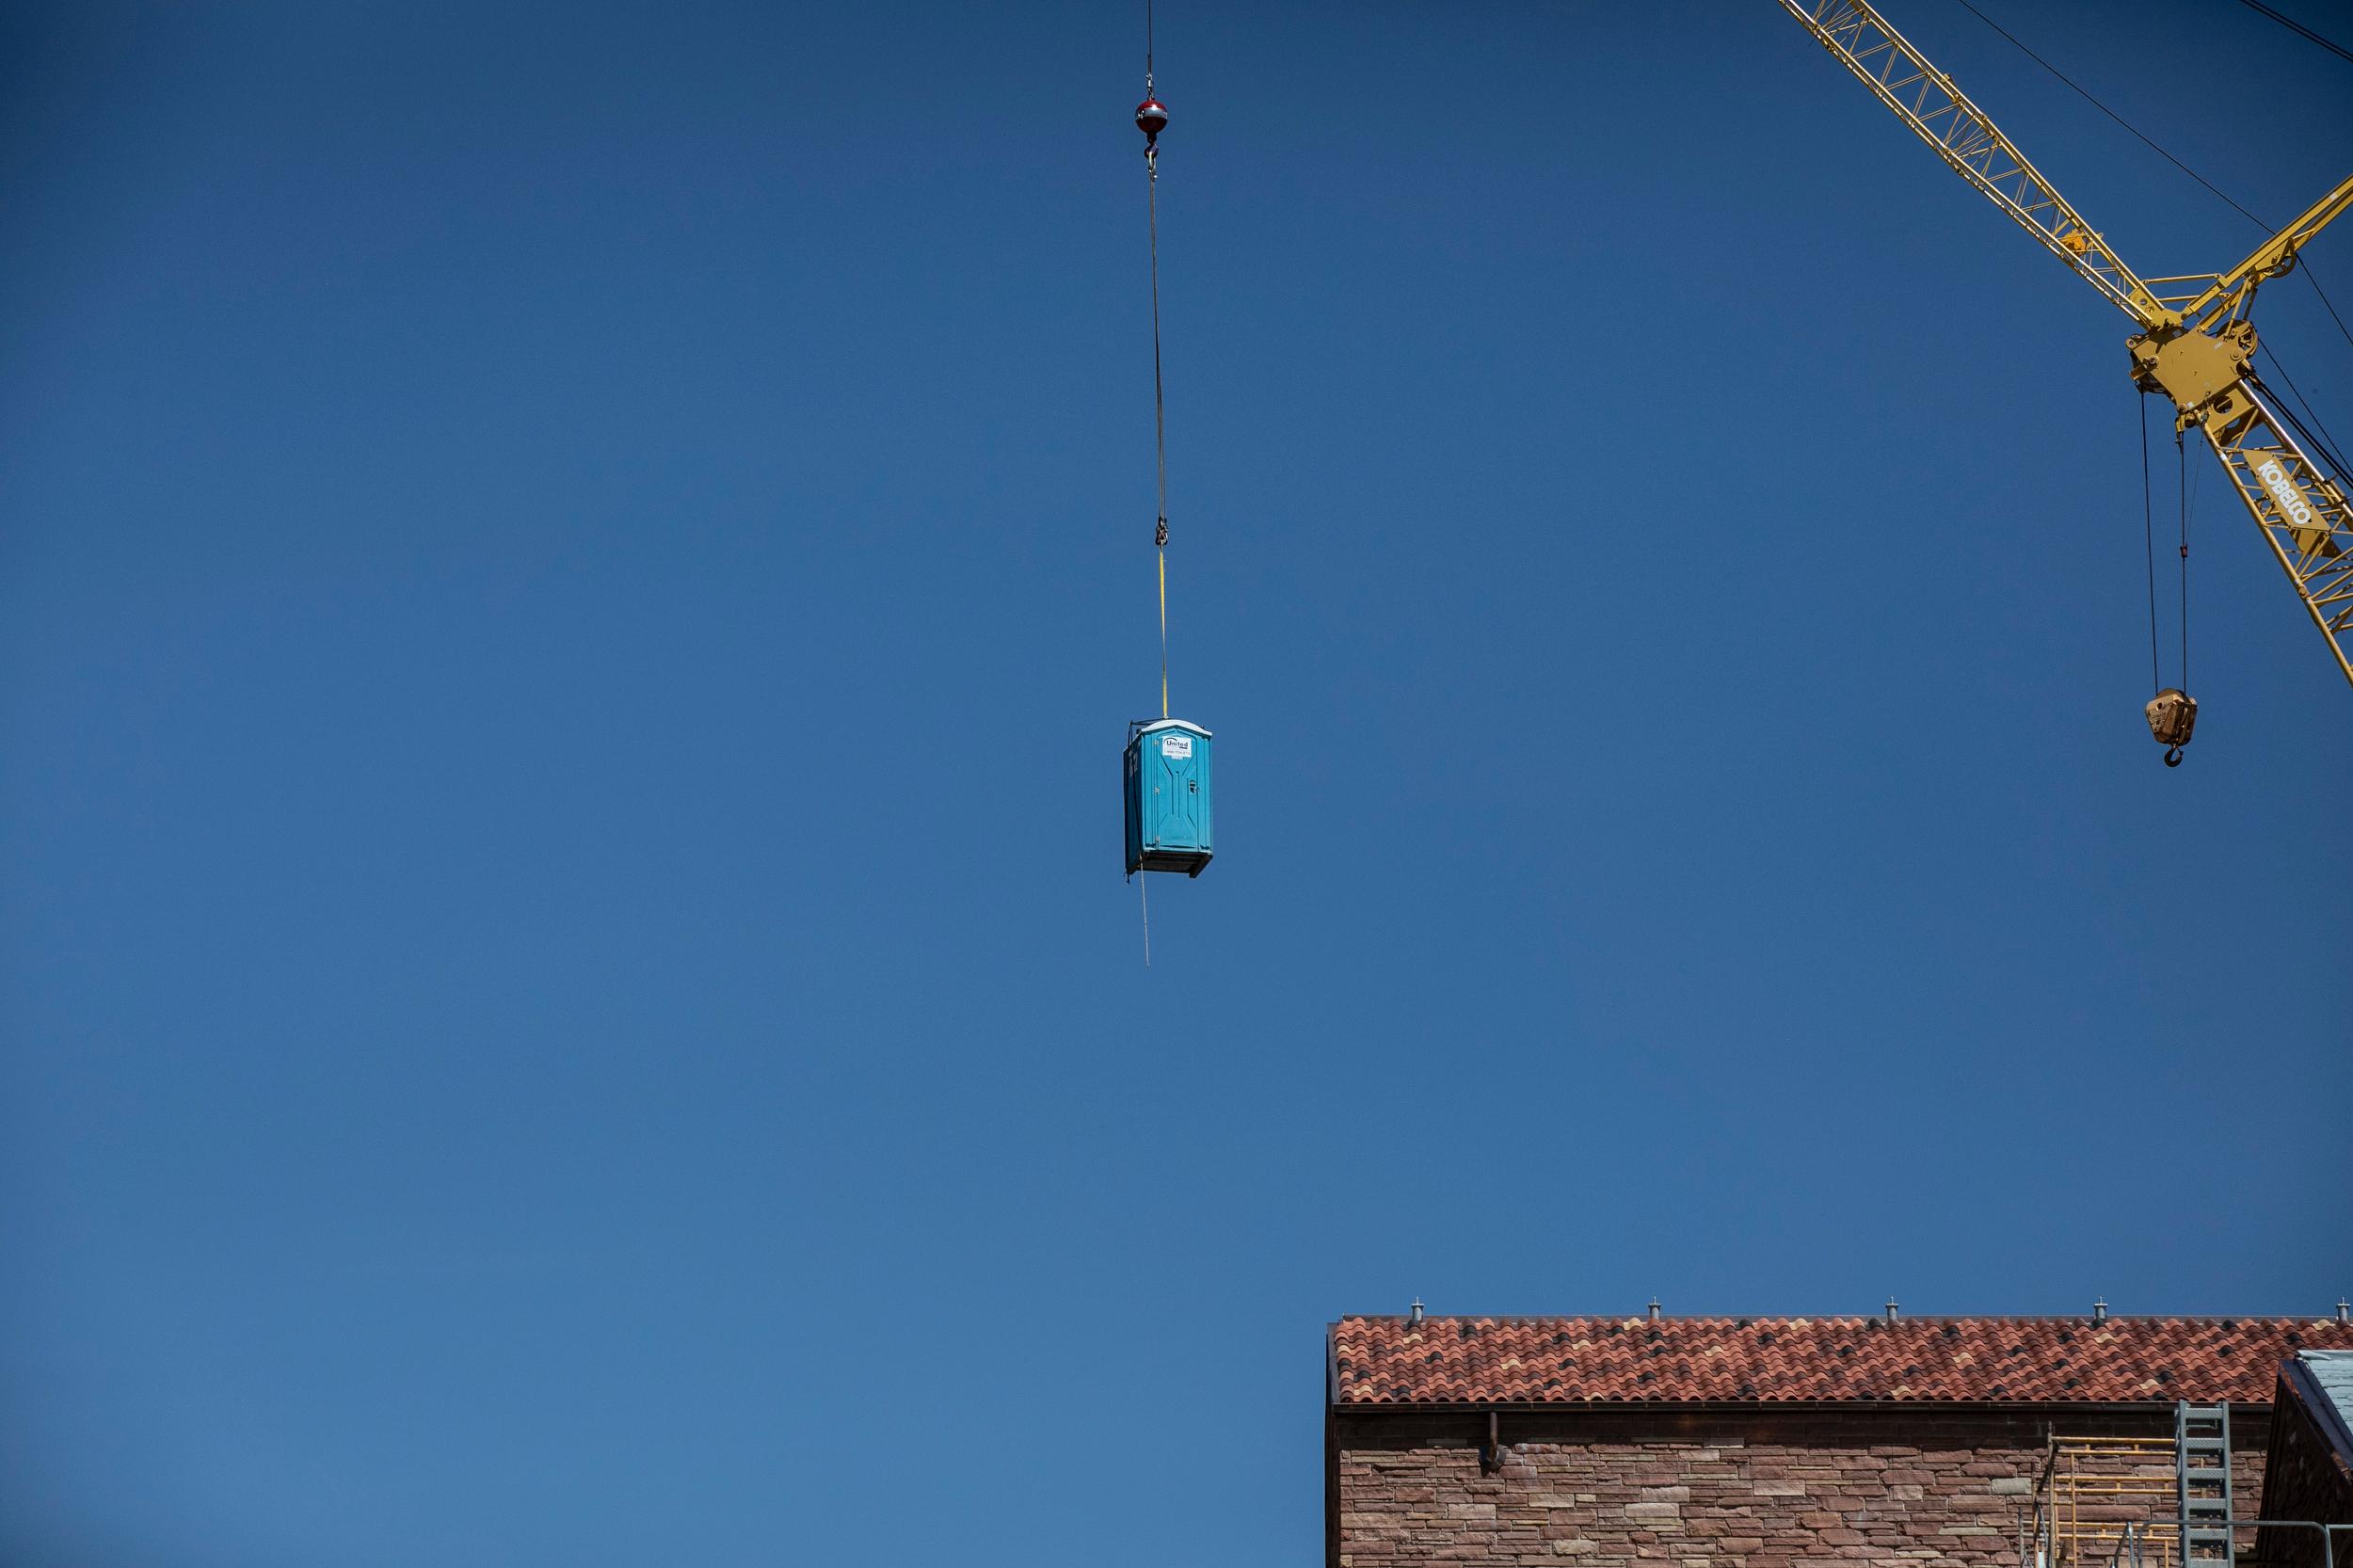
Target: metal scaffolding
{"points": [[2103, 1500]]}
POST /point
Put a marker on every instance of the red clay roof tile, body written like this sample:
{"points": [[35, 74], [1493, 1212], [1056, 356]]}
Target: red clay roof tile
{"points": [[1390, 1361]]}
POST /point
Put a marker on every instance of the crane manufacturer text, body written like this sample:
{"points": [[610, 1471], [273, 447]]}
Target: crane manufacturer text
{"points": [[2285, 492]]}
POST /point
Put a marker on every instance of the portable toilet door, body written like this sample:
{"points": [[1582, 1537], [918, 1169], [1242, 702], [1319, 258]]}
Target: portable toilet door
{"points": [[1167, 782]]}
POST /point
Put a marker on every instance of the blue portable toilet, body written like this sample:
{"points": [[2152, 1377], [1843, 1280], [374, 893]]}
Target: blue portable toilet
{"points": [[1167, 776]]}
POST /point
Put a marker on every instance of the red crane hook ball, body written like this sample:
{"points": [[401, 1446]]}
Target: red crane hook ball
{"points": [[1151, 118]]}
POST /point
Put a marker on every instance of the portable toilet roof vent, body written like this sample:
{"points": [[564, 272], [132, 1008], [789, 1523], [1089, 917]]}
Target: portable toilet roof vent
{"points": [[1166, 777]]}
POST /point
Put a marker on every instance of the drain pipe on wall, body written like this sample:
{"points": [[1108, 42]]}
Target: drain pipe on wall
{"points": [[1491, 1451]]}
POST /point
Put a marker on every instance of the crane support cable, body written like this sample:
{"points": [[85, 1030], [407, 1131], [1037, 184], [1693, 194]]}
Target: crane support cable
{"points": [[2324, 442], [2330, 304], [2111, 113], [2299, 28]]}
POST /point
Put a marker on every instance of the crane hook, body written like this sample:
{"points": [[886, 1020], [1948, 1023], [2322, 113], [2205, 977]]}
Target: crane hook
{"points": [[2171, 714]]}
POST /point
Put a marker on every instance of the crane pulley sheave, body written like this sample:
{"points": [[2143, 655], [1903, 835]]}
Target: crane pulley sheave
{"points": [[2196, 347]]}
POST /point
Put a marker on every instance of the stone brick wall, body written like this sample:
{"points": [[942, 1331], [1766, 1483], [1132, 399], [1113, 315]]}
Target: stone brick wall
{"points": [[1709, 1488], [2304, 1481]]}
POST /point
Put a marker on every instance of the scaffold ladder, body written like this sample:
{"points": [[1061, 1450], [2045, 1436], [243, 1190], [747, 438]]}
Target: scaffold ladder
{"points": [[2201, 1447]]}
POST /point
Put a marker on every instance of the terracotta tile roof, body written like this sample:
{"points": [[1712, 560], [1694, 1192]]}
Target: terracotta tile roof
{"points": [[1378, 1361]]}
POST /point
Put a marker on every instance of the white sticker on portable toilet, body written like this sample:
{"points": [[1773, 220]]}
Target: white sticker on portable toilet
{"points": [[1175, 745]]}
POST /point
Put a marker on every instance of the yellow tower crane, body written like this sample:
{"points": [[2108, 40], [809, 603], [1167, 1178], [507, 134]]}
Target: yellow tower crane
{"points": [[2196, 345]]}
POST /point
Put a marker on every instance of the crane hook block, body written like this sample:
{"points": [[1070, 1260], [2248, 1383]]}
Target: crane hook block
{"points": [[2172, 714], [1151, 118]]}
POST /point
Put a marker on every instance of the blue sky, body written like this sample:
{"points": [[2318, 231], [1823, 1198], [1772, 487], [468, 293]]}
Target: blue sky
{"points": [[571, 582]]}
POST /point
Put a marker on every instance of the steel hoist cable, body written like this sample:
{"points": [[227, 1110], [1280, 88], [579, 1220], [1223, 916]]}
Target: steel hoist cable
{"points": [[2182, 454], [1159, 407], [2149, 546], [1151, 118]]}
